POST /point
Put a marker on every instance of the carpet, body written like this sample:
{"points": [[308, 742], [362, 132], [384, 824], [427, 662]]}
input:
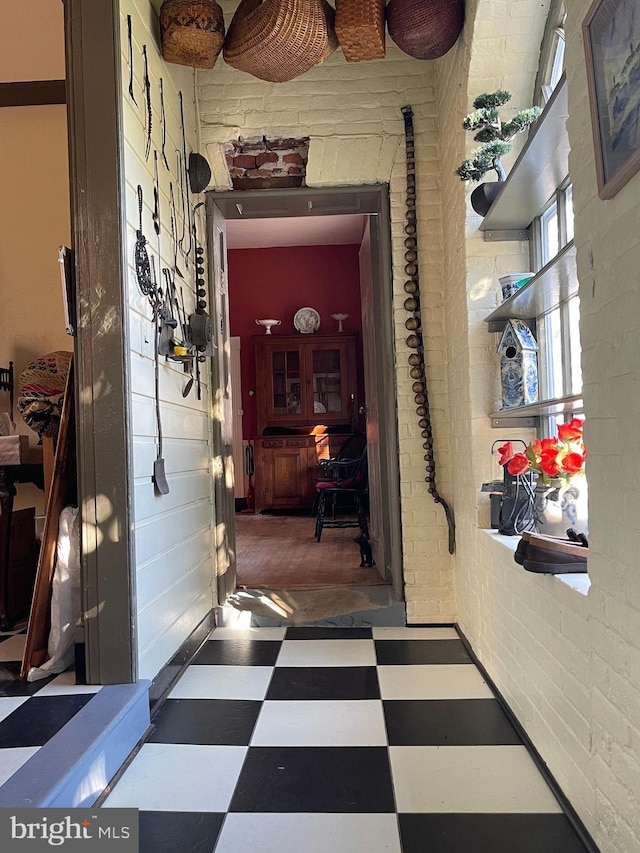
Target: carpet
{"points": [[300, 606]]}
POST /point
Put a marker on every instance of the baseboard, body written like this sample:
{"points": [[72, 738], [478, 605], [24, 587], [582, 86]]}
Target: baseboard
{"points": [[171, 671], [571, 814], [74, 766]]}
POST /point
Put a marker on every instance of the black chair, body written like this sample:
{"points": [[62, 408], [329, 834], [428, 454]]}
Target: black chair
{"points": [[350, 451], [351, 482]]}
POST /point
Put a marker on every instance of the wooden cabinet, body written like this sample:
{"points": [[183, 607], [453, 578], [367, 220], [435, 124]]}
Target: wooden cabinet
{"points": [[305, 380], [286, 468]]}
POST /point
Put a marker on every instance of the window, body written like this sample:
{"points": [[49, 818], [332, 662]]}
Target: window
{"points": [[558, 329]]}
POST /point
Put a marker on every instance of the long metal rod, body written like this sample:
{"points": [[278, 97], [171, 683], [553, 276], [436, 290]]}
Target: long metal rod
{"points": [[413, 324]]}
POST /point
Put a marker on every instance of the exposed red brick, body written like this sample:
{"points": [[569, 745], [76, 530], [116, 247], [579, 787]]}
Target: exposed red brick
{"points": [[266, 157], [229, 159], [293, 158], [259, 173], [236, 173], [244, 161], [294, 170], [267, 183], [275, 144]]}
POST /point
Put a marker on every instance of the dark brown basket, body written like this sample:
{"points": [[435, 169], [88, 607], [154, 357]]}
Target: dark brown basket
{"points": [[276, 40], [360, 29], [425, 29], [191, 32]]}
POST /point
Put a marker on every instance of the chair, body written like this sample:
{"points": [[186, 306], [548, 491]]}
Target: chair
{"points": [[351, 481], [350, 451]]}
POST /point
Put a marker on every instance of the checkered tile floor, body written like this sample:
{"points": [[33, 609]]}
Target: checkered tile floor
{"points": [[303, 740], [31, 712]]}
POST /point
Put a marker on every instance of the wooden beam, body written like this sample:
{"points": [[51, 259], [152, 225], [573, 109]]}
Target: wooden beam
{"points": [[32, 93]]}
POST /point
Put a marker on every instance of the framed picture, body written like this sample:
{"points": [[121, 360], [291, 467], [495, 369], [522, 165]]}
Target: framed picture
{"points": [[611, 33]]}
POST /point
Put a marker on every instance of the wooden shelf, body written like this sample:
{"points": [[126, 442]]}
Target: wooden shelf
{"points": [[556, 282], [542, 166]]}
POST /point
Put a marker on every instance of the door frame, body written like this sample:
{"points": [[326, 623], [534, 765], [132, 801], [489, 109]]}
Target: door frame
{"points": [[105, 491], [327, 201]]}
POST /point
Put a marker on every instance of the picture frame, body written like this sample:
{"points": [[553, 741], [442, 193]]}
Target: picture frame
{"points": [[611, 34]]}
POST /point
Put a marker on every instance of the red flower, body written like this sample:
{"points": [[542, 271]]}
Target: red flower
{"points": [[549, 462], [506, 453], [573, 462], [518, 464], [571, 431]]}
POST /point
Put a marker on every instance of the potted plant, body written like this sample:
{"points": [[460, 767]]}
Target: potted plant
{"points": [[560, 500], [495, 134]]}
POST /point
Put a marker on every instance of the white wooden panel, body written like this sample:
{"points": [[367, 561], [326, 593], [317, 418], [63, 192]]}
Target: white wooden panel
{"points": [[173, 533], [157, 617], [180, 455], [161, 571], [153, 657], [157, 534], [185, 489]]}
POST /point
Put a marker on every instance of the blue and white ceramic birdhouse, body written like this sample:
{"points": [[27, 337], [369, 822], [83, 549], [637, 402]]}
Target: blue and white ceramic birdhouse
{"points": [[518, 365]]}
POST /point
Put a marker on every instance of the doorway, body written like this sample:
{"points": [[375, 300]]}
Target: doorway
{"points": [[367, 210]]}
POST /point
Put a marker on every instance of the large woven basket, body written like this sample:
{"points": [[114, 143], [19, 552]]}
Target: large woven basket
{"points": [[191, 32], [360, 29], [277, 40], [425, 29]]}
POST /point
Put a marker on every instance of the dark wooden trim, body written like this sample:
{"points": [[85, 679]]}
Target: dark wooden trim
{"points": [[33, 93], [99, 237], [325, 201], [173, 669]]}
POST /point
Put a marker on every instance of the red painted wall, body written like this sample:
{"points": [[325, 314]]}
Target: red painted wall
{"points": [[274, 283]]}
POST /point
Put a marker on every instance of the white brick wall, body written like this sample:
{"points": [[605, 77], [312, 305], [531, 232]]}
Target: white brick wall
{"points": [[351, 112], [568, 664]]}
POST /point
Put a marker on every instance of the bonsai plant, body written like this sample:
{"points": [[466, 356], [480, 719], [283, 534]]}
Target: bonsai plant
{"points": [[495, 135]]}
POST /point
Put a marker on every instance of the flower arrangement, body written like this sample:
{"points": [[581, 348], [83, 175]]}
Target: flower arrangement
{"points": [[561, 457]]}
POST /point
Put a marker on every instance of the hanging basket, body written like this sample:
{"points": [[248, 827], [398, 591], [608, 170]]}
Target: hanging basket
{"points": [[425, 29], [360, 29], [191, 32], [277, 40]]}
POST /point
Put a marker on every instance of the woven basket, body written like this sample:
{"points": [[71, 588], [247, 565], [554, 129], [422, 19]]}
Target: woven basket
{"points": [[360, 29], [191, 32], [276, 40], [425, 29]]}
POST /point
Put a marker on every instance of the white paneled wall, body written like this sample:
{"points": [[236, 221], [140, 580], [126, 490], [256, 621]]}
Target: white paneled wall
{"points": [[173, 533]]}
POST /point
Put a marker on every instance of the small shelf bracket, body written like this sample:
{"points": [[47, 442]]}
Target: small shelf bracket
{"points": [[514, 423], [506, 235]]}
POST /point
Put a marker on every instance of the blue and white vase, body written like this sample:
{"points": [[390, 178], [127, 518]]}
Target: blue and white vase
{"points": [[558, 506]]}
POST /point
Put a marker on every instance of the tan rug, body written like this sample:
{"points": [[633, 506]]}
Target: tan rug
{"points": [[280, 552], [301, 605]]}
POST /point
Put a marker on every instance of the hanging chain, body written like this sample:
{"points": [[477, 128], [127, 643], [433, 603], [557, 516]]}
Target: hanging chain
{"points": [[413, 324]]}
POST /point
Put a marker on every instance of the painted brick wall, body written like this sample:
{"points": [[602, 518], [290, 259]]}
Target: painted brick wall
{"points": [[567, 663], [351, 114], [173, 533]]}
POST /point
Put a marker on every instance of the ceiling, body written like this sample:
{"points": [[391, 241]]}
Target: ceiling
{"points": [[334, 230]]}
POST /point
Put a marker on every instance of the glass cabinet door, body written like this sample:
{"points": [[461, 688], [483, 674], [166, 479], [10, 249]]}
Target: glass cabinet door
{"points": [[327, 381], [285, 372]]}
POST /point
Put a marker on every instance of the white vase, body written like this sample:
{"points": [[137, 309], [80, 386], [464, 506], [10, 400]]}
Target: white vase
{"points": [[557, 507]]}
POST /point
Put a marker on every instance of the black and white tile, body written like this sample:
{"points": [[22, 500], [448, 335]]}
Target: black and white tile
{"points": [[31, 712], [379, 739]]}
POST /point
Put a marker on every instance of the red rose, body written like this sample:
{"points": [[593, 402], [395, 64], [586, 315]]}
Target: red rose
{"points": [[571, 431], [573, 462], [506, 453], [518, 464], [549, 462]]}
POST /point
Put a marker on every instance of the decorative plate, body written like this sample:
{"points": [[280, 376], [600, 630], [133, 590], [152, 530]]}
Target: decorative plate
{"points": [[306, 320]]}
